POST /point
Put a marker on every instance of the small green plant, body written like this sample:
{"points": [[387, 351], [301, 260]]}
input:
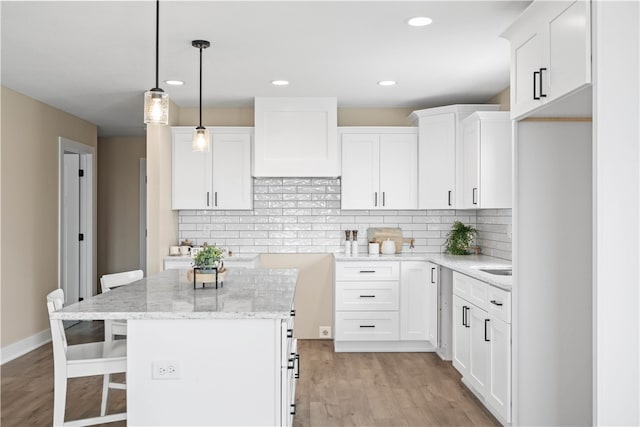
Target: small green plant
{"points": [[208, 257], [459, 238]]}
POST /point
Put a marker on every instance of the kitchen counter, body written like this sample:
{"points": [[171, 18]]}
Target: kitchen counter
{"points": [[231, 259], [461, 263], [247, 293]]}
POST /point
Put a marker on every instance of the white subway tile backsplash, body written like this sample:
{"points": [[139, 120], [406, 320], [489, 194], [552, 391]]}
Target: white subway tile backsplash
{"points": [[303, 215]]}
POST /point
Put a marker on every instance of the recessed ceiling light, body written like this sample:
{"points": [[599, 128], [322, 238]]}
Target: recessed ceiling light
{"points": [[279, 82], [387, 82], [174, 82], [419, 21]]}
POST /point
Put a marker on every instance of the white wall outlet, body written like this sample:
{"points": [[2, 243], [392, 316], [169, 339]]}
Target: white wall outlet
{"points": [[165, 370], [325, 332]]}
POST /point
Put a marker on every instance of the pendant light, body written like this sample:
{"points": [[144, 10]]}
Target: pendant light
{"points": [[156, 101], [201, 134]]}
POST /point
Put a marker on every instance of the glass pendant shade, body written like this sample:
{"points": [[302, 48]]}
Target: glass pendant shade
{"points": [[156, 107], [200, 139]]}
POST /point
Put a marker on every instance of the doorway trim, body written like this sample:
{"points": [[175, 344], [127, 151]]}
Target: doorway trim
{"points": [[143, 215], [87, 213]]}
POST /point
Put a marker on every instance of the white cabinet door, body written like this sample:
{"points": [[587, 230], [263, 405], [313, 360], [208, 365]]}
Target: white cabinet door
{"points": [[232, 187], [433, 311], [526, 61], [470, 160], [360, 171], [398, 171], [437, 160], [414, 300], [191, 174], [569, 49], [495, 162], [478, 373], [498, 392], [460, 331]]}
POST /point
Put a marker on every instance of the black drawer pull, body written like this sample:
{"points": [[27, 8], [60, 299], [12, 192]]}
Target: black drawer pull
{"points": [[367, 271], [433, 270], [293, 409], [289, 333], [485, 330], [498, 303], [367, 296], [293, 313], [367, 326], [291, 363], [297, 374]]}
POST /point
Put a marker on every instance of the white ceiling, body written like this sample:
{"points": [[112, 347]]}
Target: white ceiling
{"points": [[95, 59]]}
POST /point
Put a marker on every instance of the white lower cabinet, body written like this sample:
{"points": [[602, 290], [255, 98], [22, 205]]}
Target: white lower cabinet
{"points": [[481, 349], [386, 306]]}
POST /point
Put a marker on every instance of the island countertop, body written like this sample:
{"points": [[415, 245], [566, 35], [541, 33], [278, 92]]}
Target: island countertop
{"points": [[247, 293]]}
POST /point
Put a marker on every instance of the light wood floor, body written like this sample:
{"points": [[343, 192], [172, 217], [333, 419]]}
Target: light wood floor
{"points": [[335, 389]]}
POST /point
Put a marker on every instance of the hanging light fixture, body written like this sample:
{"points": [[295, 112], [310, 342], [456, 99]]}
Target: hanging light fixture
{"points": [[156, 101], [201, 134]]}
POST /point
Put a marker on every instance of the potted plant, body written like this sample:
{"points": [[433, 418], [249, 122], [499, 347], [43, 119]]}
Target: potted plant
{"points": [[208, 258], [459, 238]]}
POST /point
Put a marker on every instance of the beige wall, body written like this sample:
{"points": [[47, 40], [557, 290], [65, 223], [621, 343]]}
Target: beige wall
{"points": [[30, 131], [314, 291], [503, 98], [374, 116], [217, 116], [119, 203]]}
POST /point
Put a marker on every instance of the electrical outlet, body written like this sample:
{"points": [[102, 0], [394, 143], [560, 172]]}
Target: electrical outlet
{"points": [[325, 332], [165, 370]]}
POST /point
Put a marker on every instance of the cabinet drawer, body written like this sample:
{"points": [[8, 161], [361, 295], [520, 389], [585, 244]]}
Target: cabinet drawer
{"points": [[470, 289], [178, 264], [499, 303], [367, 271], [367, 296], [367, 326]]}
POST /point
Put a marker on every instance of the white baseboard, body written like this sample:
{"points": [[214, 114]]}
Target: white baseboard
{"points": [[24, 346], [382, 346]]}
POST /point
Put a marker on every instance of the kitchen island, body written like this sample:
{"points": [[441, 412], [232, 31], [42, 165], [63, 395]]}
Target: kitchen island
{"points": [[205, 356]]}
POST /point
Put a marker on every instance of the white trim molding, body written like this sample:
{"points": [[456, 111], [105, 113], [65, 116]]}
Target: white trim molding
{"points": [[24, 346]]}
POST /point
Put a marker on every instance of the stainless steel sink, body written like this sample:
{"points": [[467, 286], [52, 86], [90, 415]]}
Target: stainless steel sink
{"points": [[498, 271]]}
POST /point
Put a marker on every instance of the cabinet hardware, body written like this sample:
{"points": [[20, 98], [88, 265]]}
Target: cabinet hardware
{"points": [[449, 198], [207, 198], [291, 362], [494, 302], [293, 409], [542, 95], [293, 313], [367, 271], [367, 326], [474, 196], [81, 237], [289, 333], [464, 316], [375, 195], [215, 199], [485, 330], [534, 85], [297, 373], [367, 296], [383, 198], [433, 269]]}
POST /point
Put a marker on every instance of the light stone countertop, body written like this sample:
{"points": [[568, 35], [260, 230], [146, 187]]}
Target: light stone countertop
{"points": [[247, 293], [234, 258], [461, 263]]}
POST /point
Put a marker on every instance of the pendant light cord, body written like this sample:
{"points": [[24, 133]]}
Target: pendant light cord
{"points": [[157, 40], [200, 85]]}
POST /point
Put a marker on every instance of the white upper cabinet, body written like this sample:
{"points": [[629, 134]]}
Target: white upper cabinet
{"points": [[219, 179], [550, 55], [296, 137], [486, 161], [439, 135], [379, 168]]}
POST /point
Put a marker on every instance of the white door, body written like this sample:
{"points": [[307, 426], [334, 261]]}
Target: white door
{"points": [[432, 304], [360, 171], [414, 300], [399, 171], [71, 226], [191, 174], [526, 61], [437, 160], [499, 383], [232, 170], [470, 159], [460, 338], [478, 373]]}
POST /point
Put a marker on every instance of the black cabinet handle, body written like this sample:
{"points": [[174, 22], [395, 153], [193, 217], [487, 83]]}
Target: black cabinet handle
{"points": [[367, 326], [542, 95], [293, 409], [485, 330], [449, 198], [291, 362], [215, 198], [494, 302], [474, 196], [464, 316], [297, 373], [293, 313], [383, 198], [433, 270], [289, 333], [375, 195], [367, 271], [367, 296], [207, 198], [535, 73]]}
